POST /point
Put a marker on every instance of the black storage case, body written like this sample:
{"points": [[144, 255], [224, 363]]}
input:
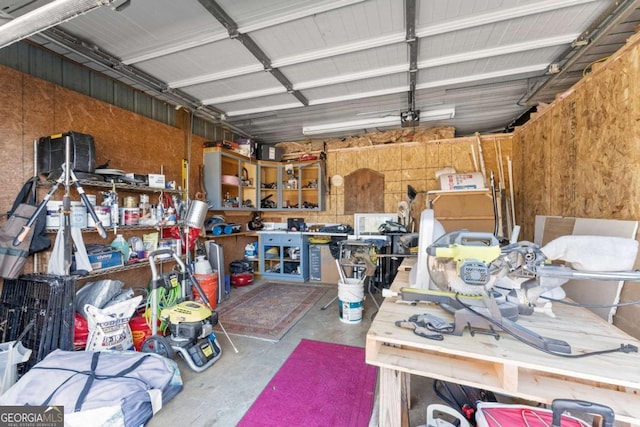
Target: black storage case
{"points": [[51, 153], [296, 224], [270, 152]]}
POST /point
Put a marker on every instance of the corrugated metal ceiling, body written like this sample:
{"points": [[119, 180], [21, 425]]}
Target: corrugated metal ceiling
{"points": [[271, 67]]}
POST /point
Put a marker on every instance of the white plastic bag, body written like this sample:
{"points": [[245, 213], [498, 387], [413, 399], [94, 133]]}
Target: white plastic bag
{"points": [[11, 354], [56, 258]]}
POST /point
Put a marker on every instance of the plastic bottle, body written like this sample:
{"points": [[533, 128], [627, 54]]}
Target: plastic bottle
{"points": [[202, 265], [250, 251], [122, 245]]}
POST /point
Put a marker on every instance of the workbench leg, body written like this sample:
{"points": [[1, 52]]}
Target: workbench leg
{"points": [[394, 400]]}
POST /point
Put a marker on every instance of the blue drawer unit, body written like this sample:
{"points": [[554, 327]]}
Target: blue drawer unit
{"points": [[284, 256]]}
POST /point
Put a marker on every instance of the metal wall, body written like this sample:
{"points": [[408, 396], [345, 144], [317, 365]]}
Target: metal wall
{"points": [[50, 67]]}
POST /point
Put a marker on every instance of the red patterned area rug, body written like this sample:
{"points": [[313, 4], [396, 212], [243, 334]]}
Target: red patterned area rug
{"points": [[320, 385], [269, 311]]}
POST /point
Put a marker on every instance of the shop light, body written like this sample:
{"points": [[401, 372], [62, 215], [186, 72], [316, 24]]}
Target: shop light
{"points": [[376, 122]]}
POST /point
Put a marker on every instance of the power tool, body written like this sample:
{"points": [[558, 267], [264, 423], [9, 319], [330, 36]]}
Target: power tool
{"points": [[190, 323]]}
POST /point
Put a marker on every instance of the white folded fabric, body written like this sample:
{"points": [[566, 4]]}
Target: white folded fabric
{"points": [[593, 253]]}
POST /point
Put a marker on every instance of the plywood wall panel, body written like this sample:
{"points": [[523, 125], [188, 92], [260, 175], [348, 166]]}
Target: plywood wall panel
{"points": [[11, 130], [402, 163], [579, 157], [129, 141]]}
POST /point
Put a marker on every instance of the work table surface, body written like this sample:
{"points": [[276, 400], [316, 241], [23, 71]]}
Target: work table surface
{"points": [[507, 366]]}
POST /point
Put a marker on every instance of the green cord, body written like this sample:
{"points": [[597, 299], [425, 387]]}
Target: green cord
{"points": [[166, 298]]}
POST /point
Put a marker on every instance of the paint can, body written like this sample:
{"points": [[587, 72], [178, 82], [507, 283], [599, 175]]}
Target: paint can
{"points": [[78, 216], [54, 208], [130, 202], [91, 198], [130, 216], [104, 215], [174, 244], [350, 297]]}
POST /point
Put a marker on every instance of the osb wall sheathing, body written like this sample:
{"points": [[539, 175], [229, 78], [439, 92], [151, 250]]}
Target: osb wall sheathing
{"points": [[31, 108], [403, 163], [579, 157]]}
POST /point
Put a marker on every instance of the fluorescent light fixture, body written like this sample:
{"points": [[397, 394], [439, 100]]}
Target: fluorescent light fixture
{"points": [[385, 121], [440, 114], [375, 122]]}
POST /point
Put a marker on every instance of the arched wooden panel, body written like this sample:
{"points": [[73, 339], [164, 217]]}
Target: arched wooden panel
{"points": [[363, 192]]}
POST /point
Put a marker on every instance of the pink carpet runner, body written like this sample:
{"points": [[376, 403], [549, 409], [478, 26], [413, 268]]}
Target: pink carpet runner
{"points": [[320, 384]]}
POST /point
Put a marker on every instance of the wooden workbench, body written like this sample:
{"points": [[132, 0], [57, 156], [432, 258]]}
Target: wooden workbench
{"points": [[505, 366]]}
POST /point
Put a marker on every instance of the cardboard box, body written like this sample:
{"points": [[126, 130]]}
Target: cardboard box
{"points": [[106, 260], [322, 265], [471, 210], [156, 181], [462, 181]]}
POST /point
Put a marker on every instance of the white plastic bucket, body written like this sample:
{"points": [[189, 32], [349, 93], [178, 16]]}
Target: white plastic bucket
{"points": [[78, 216], [53, 213], [104, 215], [350, 296], [91, 198]]}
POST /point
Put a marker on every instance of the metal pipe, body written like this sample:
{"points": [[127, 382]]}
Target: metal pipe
{"points": [[617, 12], [66, 206], [44, 17]]}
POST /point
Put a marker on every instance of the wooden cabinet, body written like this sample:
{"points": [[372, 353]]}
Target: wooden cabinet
{"points": [[302, 186], [284, 256], [230, 180], [235, 182], [292, 186], [270, 182]]}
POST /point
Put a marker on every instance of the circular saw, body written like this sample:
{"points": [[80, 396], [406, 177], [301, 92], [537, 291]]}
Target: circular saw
{"points": [[463, 262]]}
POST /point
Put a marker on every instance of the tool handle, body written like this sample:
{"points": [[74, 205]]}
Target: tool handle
{"points": [[23, 235], [101, 230], [559, 406], [436, 407]]}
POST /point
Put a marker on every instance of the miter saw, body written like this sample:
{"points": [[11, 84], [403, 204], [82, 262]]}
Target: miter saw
{"points": [[487, 286]]}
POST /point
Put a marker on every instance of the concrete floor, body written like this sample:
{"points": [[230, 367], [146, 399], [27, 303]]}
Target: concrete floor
{"points": [[222, 394]]}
